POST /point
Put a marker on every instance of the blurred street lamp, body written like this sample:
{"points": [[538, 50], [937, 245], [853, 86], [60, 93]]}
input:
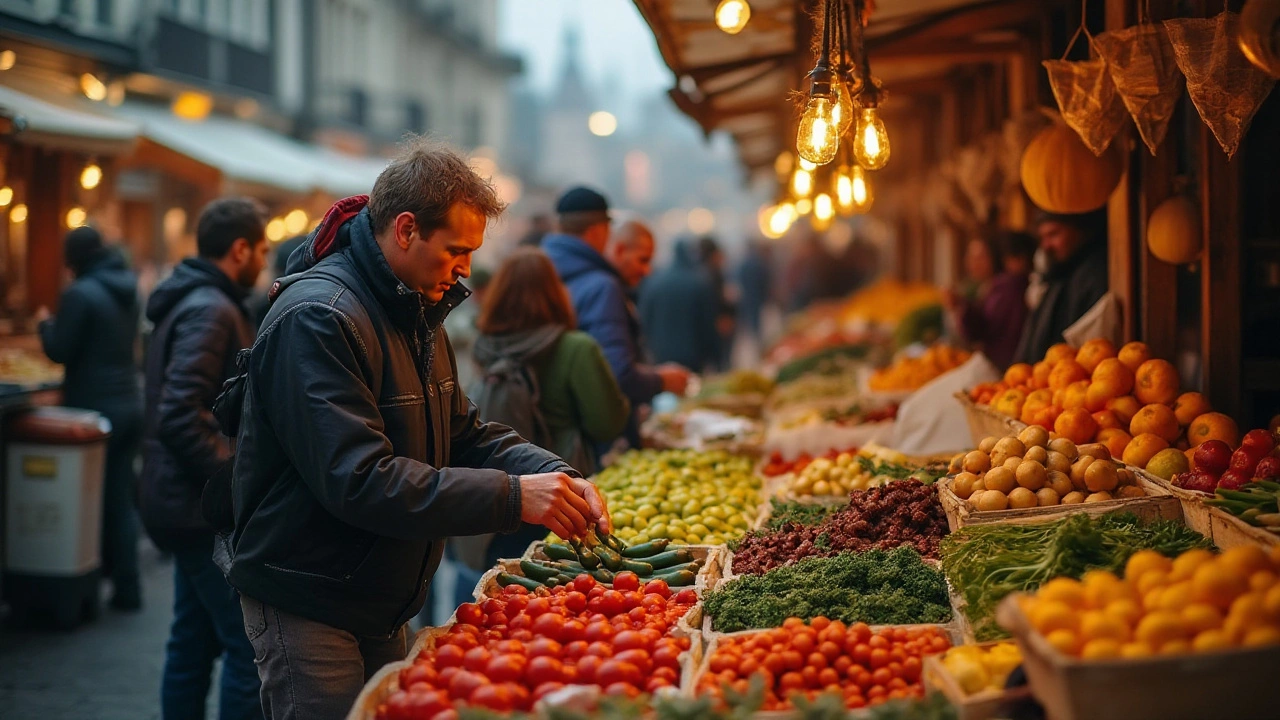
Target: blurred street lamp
{"points": [[92, 87], [18, 214], [295, 222], [91, 176], [6, 196], [602, 123], [192, 105], [276, 229], [732, 15], [76, 217]]}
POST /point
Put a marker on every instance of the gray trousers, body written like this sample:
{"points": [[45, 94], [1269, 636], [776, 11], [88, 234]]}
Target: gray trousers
{"points": [[309, 670]]}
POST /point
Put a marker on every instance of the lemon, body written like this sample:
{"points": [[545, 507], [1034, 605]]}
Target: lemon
{"points": [[1097, 625], [1249, 610], [1245, 560], [1136, 650], [1175, 647], [1064, 641], [1186, 564], [1211, 640], [1050, 615], [1100, 649], [1264, 635], [1218, 585], [1102, 588], [1175, 597], [1125, 610], [1262, 580], [1160, 627], [1145, 561], [1271, 604], [1151, 580], [1064, 590], [1201, 617]]}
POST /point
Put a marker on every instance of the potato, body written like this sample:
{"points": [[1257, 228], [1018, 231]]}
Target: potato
{"points": [[1000, 479], [979, 486], [1011, 446], [977, 462], [1057, 461], [963, 484], [1064, 446], [1037, 453], [1097, 450], [1098, 497], [1130, 491], [1060, 482], [1034, 436], [1074, 497], [1031, 475], [998, 457], [957, 463], [988, 444], [1048, 497], [1101, 476], [1077, 471], [1012, 464], [1022, 498], [1127, 477], [992, 500]]}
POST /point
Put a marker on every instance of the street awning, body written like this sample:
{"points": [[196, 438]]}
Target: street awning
{"points": [[248, 153], [36, 121]]}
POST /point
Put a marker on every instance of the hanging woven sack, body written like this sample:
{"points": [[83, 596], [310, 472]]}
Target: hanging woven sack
{"points": [[1145, 74], [1086, 94]]}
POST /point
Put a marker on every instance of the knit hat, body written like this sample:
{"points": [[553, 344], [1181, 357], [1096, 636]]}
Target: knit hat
{"points": [[581, 200], [82, 248]]}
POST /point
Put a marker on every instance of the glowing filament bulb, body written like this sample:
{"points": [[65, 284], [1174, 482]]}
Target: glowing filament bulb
{"points": [[842, 112], [732, 15], [860, 189], [804, 206], [844, 190], [802, 183], [816, 138], [823, 212], [90, 176], [871, 143]]}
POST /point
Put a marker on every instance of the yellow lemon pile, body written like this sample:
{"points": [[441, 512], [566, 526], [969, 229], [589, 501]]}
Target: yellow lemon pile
{"points": [[911, 373], [1198, 602], [977, 668]]}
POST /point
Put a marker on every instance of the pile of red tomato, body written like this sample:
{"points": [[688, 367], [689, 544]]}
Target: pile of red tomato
{"points": [[777, 466], [824, 656], [516, 646]]}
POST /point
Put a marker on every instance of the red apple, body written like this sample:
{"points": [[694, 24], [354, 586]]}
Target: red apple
{"points": [[1199, 480], [1213, 457], [1268, 468], [1244, 461], [1260, 440], [1233, 480]]}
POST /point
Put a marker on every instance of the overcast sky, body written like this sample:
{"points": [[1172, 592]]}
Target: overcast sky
{"points": [[616, 43]]}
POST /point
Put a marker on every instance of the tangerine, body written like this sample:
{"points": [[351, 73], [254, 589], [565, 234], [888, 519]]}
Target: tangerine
{"points": [[1058, 352], [1213, 426], [1189, 406], [1074, 395], [1066, 372], [1018, 374], [1093, 352], [1155, 419], [1040, 374], [1142, 448], [1125, 407], [1114, 375], [1076, 425], [1115, 439], [1156, 381], [1133, 355]]}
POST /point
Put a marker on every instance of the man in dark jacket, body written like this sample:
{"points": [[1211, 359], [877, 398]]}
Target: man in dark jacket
{"points": [[201, 324], [600, 299], [358, 453], [678, 309], [1076, 248], [95, 335]]}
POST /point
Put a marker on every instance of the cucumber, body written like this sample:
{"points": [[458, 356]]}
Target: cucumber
{"points": [[644, 551], [610, 559], [585, 556], [505, 579], [643, 569], [680, 578], [555, 551], [613, 543], [694, 567], [602, 575], [538, 571], [565, 579], [669, 558]]}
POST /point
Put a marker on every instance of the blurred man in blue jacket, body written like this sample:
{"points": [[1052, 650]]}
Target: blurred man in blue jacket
{"points": [[600, 298]]}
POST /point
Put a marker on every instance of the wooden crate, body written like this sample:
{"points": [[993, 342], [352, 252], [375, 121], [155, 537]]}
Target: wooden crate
{"points": [[977, 706], [387, 680], [1227, 684], [1194, 512], [1225, 529], [1158, 504], [985, 422]]}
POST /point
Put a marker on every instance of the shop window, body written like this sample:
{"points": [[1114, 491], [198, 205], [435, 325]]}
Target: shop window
{"points": [[415, 116], [358, 107]]}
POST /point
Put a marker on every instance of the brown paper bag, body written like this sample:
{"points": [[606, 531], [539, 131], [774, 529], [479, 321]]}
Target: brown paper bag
{"points": [[1146, 77], [1087, 96], [1226, 88]]}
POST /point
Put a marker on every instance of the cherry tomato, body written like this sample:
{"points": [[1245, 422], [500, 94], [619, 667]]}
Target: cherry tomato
{"points": [[497, 619], [830, 650], [655, 684], [600, 649], [522, 635], [599, 631], [637, 615], [773, 663], [465, 682], [614, 671], [583, 583], [819, 623], [428, 703], [803, 642], [398, 707], [881, 676], [575, 649], [911, 669], [521, 622], [792, 660], [626, 581], [506, 668], [469, 614], [596, 591], [828, 676], [545, 669], [622, 689], [639, 658], [493, 605], [545, 689], [667, 656], [666, 673], [449, 656], [494, 697], [573, 630], [612, 603], [543, 647], [879, 658], [588, 666], [842, 665], [657, 587], [879, 642], [477, 659], [575, 602], [419, 672], [790, 681], [686, 597], [810, 676], [549, 625], [538, 606]]}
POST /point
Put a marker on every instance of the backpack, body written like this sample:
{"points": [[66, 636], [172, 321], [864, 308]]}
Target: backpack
{"points": [[508, 393]]}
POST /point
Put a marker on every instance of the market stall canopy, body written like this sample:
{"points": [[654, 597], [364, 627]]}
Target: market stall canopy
{"points": [[247, 153], [35, 121], [740, 83]]}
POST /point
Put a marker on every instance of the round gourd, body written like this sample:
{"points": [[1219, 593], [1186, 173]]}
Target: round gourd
{"points": [[1173, 231], [1061, 175]]}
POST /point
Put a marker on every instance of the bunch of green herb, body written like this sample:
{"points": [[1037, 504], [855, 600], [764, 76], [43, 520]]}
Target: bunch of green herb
{"points": [[799, 513], [878, 587], [987, 562]]}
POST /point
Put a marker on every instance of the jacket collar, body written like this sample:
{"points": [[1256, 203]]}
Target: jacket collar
{"points": [[573, 256]]}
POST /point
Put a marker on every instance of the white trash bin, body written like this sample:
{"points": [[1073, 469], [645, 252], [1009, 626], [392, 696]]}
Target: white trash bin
{"points": [[53, 515]]}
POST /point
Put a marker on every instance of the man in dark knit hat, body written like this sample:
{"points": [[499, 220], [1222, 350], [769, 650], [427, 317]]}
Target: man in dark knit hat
{"points": [[94, 335], [600, 300], [1076, 249]]}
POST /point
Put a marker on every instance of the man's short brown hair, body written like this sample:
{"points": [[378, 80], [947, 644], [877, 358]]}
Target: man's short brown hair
{"points": [[427, 178]]}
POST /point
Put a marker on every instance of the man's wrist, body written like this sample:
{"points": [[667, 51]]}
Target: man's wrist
{"points": [[514, 505]]}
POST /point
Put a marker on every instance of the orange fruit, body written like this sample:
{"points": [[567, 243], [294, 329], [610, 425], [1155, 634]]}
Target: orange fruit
{"points": [[1077, 425], [1157, 420], [1142, 448], [1010, 402], [1115, 376], [1125, 407], [1046, 417], [1133, 355], [1074, 395], [1066, 372], [1245, 560], [1017, 374], [1217, 585], [1160, 627], [1115, 439], [1040, 374], [1100, 649], [1107, 420], [1212, 641], [1213, 426], [1037, 401], [1061, 351], [1096, 397], [1156, 381], [1144, 561], [1064, 641], [1189, 406], [1094, 352]]}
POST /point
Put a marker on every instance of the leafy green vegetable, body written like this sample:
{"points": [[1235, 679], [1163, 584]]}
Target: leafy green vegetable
{"points": [[987, 562], [799, 513], [894, 587], [934, 707]]}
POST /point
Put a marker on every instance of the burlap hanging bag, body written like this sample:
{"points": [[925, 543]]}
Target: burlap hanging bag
{"points": [[1224, 86], [1086, 95], [1146, 76]]}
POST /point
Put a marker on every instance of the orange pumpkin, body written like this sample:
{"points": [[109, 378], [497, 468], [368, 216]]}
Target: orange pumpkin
{"points": [[1174, 234], [1061, 175]]}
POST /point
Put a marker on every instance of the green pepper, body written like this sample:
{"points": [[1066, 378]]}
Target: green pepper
{"points": [[1253, 498], [1235, 507]]}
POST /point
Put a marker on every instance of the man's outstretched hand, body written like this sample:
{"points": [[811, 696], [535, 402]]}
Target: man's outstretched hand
{"points": [[565, 505]]}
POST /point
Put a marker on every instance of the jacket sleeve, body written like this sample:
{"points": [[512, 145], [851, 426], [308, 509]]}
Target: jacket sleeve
{"points": [[193, 377], [310, 377], [477, 444], [62, 334], [601, 405], [608, 323]]}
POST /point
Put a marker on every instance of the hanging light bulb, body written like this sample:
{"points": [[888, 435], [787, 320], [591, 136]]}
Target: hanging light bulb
{"points": [[804, 206], [776, 220], [806, 165], [732, 15], [843, 111], [816, 138], [871, 140], [90, 176], [844, 189], [860, 189], [802, 183], [823, 212]]}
